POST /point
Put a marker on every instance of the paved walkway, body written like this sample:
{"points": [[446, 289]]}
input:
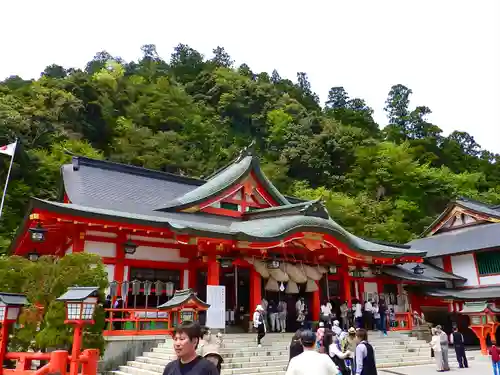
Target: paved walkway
{"points": [[476, 368]]}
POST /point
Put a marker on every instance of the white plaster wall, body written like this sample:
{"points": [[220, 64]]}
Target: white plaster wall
{"points": [[104, 249], [101, 234], [157, 254], [125, 273], [464, 265], [186, 279], [438, 262], [110, 269], [490, 280]]}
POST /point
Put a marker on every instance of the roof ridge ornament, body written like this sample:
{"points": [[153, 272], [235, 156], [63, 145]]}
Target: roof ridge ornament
{"points": [[315, 208], [246, 151]]}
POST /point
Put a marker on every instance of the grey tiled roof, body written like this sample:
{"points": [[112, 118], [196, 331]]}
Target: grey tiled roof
{"points": [[13, 299], [402, 273], [482, 236], [78, 293], [180, 297], [478, 307], [487, 293], [433, 271]]}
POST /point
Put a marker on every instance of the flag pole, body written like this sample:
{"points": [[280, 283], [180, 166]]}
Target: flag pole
{"points": [[7, 180]]}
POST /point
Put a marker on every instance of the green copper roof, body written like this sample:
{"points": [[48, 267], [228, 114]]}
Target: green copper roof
{"points": [[259, 230], [232, 174]]}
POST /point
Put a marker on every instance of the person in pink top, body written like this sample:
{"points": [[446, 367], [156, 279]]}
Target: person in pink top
{"points": [[320, 332]]}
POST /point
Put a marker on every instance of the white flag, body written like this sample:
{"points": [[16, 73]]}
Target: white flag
{"points": [[8, 149]]}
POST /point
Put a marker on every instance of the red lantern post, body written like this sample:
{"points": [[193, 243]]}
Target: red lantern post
{"points": [[80, 307], [10, 306]]}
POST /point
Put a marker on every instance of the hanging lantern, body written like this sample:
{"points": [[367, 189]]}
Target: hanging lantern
{"points": [[147, 287], [136, 287], [169, 289], [273, 264], [129, 247], [418, 269], [37, 233], [113, 288], [125, 288], [159, 285], [225, 262], [33, 255], [332, 270]]}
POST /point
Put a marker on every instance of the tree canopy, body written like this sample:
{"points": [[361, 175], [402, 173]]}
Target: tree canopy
{"points": [[192, 113]]}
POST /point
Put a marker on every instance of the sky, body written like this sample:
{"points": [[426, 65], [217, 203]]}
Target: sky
{"points": [[446, 51]]}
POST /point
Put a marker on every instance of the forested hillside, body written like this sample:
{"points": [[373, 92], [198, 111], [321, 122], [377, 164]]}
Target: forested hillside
{"points": [[191, 114]]}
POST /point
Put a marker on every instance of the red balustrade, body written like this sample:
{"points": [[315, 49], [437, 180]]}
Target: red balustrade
{"points": [[135, 322], [59, 361], [403, 322]]}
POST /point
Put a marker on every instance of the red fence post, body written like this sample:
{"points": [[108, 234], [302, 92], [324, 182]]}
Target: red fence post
{"points": [[89, 367], [58, 362]]}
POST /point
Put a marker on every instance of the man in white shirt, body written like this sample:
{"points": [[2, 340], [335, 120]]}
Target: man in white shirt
{"points": [[310, 361], [326, 312]]}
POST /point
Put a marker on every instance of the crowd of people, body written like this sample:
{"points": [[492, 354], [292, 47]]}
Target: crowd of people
{"points": [[331, 351]]}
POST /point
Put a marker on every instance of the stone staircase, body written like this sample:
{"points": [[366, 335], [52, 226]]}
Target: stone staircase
{"points": [[242, 356]]}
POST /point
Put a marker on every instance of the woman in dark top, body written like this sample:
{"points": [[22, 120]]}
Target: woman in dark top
{"points": [[296, 347]]}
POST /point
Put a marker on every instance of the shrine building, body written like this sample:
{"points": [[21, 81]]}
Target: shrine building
{"points": [[234, 228]]}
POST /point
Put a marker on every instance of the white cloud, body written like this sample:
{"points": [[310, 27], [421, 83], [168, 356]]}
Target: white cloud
{"points": [[447, 52]]}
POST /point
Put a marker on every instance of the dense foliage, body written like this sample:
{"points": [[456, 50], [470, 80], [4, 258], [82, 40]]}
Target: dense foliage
{"points": [[42, 323], [190, 115]]}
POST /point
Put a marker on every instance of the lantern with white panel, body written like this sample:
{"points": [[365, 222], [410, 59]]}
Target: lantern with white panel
{"points": [[80, 303], [10, 306]]}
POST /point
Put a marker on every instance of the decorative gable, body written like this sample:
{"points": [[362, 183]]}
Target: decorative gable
{"points": [[458, 218], [233, 190]]}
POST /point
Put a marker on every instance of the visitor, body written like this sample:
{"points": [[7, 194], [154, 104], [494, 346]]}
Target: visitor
{"points": [[365, 356], [272, 312], [210, 346], [457, 340], [320, 332], [310, 361], [382, 309], [358, 314], [344, 308], [376, 316], [495, 359], [444, 347], [282, 314], [119, 314], [299, 312], [368, 315], [259, 325], [331, 343], [336, 328], [436, 349], [326, 312], [186, 340], [295, 345], [348, 344]]}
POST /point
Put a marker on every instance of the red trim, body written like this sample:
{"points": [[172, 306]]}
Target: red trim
{"points": [[145, 263], [221, 212], [78, 240], [66, 198], [447, 267], [213, 272]]}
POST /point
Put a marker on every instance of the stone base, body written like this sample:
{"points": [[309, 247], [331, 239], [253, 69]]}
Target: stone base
{"points": [[423, 332]]}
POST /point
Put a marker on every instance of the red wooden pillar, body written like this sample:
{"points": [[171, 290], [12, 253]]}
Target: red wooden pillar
{"points": [[380, 285], [255, 289], [361, 289], [347, 285], [213, 274], [316, 304], [119, 272], [192, 276]]}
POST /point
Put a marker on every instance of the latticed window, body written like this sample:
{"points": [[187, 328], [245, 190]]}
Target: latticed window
{"points": [[488, 262]]}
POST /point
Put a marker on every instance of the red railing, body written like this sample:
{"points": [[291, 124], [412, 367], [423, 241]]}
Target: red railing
{"points": [[402, 322], [134, 322], [58, 362]]}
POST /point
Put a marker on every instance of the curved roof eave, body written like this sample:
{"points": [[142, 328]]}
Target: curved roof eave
{"points": [[263, 230]]}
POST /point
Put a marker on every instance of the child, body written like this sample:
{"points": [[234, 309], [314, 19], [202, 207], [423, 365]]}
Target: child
{"points": [[495, 359], [320, 332]]}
